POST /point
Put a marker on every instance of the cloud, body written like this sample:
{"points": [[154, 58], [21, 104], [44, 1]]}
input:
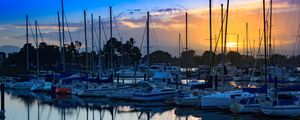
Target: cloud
{"points": [[50, 27], [130, 24], [168, 22]]}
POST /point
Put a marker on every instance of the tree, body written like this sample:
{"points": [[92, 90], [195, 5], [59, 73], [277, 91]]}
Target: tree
{"points": [[206, 57], [198, 60], [160, 57], [278, 59], [234, 58], [187, 58], [131, 53]]}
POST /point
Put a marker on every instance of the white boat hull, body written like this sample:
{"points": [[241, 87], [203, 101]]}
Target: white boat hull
{"points": [[22, 85], [153, 97], [207, 102], [247, 108], [194, 101], [47, 86], [286, 110]]}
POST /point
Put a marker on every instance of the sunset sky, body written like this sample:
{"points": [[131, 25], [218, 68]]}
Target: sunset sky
{"points": [[167, 21]]}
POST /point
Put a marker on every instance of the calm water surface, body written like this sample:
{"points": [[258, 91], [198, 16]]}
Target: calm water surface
{"points": [[26, 105]]}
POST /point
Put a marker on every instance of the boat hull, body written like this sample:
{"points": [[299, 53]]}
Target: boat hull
{"points": [[211, 102], [195, 101], [287, 110], [153, 96], [247, 108]]}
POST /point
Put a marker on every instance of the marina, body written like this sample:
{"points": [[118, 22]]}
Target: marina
{"points": [[97, 67]]}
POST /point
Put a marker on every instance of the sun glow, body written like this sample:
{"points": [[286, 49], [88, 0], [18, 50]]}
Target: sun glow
{"points": [[232, 44]]}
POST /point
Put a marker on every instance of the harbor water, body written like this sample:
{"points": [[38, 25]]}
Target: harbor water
{"points": [[42, 106]]}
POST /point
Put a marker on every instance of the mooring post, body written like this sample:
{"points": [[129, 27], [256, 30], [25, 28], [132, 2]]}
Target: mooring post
{"points": [[118, 78], [177, 80], [2, 115]]}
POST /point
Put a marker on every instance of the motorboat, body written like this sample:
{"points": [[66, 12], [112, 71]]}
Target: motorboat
{"points": [[188, 99], [223, 99], [154, 94], [246, 105], [282, 105]]}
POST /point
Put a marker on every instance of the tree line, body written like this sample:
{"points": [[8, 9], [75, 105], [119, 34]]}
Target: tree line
{"points": [[50, 57]]}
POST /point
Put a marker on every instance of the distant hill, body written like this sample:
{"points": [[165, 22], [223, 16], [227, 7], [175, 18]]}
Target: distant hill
{"points": [[9, 49]]}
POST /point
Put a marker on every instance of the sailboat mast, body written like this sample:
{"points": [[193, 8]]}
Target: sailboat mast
{"points": [[111, 42], [237, 48], [247, 45], [265, 44], [148, 39], [270, 31], [85, 41], [59, 36], [226, 27], [63, 34], [222, 30], [210, 30], [27, 46], [186, 32], [122, 58], [237, 42], [37, 48], [222, 45], [179, 49], [92, 53], [225, 39], [99, 52]]}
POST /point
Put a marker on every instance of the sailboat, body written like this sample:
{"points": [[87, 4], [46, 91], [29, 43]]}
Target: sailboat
{"points": [[223, 99], [279, 104], [31, 81]]}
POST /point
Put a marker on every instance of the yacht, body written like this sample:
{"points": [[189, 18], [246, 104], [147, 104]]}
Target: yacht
{"points": [[26, 84], [154, 94], [282, 105], [100, 90], [246, 105], [22, 85], [163, 79], [188, 99], [42, 86], [128, 72], [65, 85], [223, 99]]}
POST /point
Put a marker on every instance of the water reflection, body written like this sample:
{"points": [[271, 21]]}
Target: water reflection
{"points": [[22, 105]]}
